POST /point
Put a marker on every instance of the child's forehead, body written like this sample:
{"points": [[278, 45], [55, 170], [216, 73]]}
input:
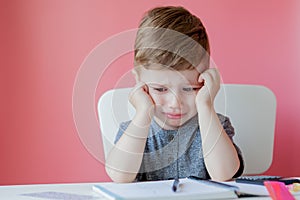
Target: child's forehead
{"points": [[167, 76]]}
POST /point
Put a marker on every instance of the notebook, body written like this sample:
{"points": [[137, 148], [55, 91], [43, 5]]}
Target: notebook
{"points": [[188, 189]]}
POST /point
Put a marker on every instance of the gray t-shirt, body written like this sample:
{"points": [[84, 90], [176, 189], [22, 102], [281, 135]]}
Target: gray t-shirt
{"points": [[163, 147]]}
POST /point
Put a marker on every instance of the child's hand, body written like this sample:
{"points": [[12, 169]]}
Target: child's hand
{"points": [[140, 98], [210, 79]]}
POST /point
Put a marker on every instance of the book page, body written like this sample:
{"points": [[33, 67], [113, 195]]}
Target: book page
{"points": [[162, 189]]}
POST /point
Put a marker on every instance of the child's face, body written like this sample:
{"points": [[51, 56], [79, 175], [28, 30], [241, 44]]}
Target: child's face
{"points": [[174, 95]]}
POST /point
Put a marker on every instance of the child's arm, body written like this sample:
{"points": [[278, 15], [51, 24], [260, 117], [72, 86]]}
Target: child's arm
{"points": [[124, 160], [220, 156]]}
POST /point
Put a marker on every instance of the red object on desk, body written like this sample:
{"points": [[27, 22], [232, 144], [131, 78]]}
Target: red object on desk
{"points": [[278, 190]]}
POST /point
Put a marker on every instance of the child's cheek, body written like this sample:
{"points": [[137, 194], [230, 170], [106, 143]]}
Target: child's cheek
{"points": [[158, 99]]}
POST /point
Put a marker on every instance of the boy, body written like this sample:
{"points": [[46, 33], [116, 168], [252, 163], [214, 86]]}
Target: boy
{"points": [[175, 131]]}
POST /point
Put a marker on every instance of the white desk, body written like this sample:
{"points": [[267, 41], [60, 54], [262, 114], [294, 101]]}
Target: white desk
{"points": [[76, 191]]}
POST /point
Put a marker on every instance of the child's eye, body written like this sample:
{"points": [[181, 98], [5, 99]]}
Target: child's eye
{"points": [[160, 89], [191, 89]]}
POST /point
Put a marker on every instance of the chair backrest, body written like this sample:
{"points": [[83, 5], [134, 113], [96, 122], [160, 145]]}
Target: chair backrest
{"points": [[251, 108]]}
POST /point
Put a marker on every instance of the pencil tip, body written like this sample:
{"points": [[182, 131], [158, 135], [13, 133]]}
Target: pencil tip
{"points": [[174, 188]]}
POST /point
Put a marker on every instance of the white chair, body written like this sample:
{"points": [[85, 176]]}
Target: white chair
{"points": [[251, 108]]}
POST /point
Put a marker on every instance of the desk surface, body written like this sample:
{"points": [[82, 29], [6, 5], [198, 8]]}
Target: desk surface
{"points": [[75, 191]]}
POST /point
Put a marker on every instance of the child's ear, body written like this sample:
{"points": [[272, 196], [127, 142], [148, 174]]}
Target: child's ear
{"points": [[136, 75]]}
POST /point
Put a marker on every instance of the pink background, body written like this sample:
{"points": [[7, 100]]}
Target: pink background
{"points": [[43, 44]]}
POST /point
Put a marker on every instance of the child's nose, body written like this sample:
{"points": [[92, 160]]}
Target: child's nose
{"points": [[175, 100]]}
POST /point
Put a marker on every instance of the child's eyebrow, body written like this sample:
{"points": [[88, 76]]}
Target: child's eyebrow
{"points": [[193, 84], [156, 85]]}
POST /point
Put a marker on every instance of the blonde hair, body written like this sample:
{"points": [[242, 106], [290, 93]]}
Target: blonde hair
{"points": [[171, 37]]}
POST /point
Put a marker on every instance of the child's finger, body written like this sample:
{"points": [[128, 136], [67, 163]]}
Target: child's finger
{"points": [[215, 74], [210, 75], [138, 86], [200, 79], [205, 78], [146, 88]]}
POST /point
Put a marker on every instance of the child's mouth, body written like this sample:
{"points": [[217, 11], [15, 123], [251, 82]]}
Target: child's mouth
{"points": [[174, 115]]}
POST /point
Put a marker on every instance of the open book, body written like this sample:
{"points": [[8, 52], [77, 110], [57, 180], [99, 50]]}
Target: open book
{"points": [[188, 189]]}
